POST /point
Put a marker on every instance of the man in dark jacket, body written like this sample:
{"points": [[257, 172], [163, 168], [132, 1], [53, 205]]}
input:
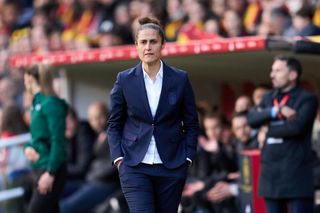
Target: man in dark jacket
{"points": [[286, 116]]}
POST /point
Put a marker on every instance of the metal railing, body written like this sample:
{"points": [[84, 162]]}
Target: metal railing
{"points": [[8, 142]]}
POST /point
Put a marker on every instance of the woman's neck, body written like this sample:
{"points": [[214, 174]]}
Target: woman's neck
{"points": [[35, 89], [152, 69]]}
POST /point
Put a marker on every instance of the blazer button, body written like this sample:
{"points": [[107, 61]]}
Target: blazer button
{"points": [[152, 124]]}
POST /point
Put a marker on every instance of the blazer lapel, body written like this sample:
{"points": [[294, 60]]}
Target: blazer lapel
{"points": [[164, 90], [141, 89]]}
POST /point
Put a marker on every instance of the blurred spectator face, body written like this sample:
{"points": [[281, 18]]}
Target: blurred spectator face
{"points": [[242, 104], [39, 40], [149, 45], [97, 117], [294, 5], [258, 94], [139, 8], [25, 45], [174, 9], [187, 4], [10, 14], [196, 12], [134, 9], [105, 40], [278, 21], [280, 74], [55, 42], [241, 129], [4, 40], [211, 26], [68, 40], [39, 19], [81, 43], [231, 23], [263, 29], [7, 90], [236, 5], [212, 128], [121, 15], [299, 22], [218, 7]]}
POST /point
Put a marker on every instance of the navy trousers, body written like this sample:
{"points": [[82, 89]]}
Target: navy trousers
{"points": [[303, 205], [152, 188]]}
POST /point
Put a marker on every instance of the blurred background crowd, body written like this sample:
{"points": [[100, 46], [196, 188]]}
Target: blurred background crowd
{"points": [[40, 26]]}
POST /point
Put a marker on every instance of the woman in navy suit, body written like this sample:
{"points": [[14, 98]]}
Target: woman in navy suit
{"points": [[153, 126]]}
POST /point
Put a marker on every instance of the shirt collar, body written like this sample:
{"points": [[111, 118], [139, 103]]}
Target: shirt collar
{"points": [[159, 74]]}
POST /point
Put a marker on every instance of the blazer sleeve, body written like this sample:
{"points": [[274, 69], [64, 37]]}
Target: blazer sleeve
{"points": [[261, 115], [116, 119], [301, 124], [190, 120]]}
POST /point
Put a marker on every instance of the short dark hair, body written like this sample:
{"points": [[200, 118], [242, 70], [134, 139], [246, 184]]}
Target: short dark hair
{"points": [[305, 12], [292, 63], [151, 23]]}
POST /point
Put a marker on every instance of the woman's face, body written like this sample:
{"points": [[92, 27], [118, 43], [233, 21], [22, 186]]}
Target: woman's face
{"points": [[28, 81], [149, 46]]}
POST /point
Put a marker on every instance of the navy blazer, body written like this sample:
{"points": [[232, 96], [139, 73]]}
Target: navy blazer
{"points": [[131, 124]]}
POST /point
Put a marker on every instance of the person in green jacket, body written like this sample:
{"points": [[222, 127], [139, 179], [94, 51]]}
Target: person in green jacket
{"points": [[47, 149]]}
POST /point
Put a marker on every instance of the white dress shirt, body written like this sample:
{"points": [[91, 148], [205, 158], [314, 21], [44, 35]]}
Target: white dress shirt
{"points": [[153, 89]]}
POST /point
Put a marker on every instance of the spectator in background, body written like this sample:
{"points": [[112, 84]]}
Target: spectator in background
{"points": [[140, 8], [237, 6], [101, 178], [111, 35], [258, 94], [67, 39], [39, 39], [174, 20], [20, 41], [81, 42], [244, 141], [242, 132], [280, 22], [80, 139], [232, 25], [213, 164], [46, 151], [286, 115], [10, 13], [14, 167], [193, 27], [211, 28], [55, 42], [9, 92], [302, 23], [218, 7], [243, 104], [121, 15]]}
